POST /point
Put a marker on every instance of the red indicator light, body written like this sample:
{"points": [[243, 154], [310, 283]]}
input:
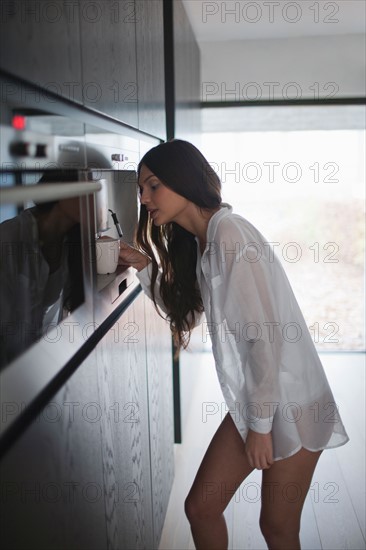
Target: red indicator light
{"points": [[19, 122]]}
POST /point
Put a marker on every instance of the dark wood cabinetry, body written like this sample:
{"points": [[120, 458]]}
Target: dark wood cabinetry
{"points": [[108, 55], [40, 43], [183, 74], [122, 380], [95, 469], [108, 52], [161, 414], [52, 477], [150, 67], [187, 76]]}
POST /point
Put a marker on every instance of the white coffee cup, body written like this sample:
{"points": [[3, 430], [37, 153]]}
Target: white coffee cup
{"points": [[107, 251]]}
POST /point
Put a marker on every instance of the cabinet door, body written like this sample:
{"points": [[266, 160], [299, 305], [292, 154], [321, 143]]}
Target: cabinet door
{"points": [[53, 475], [40, 43], [186, 76], [160, 389], [108, 52], [150, 67], [121, 358], [80, 475]]}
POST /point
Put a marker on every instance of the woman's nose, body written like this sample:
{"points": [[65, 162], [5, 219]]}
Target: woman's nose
{"points": [[144, 198]]}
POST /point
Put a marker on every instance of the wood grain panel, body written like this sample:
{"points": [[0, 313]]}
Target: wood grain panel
{"points": [[108, 51], [150, 67], [81, 458], [54, 473], [95, 470], [40, 43], [125, 431], [160, 392], [187, 76]]}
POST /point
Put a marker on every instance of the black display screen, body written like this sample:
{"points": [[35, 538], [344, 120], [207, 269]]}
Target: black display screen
{"points": [[41, 271]]}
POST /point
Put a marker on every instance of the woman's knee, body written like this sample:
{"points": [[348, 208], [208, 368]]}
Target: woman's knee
{"points": [[197, 508], [276, 529], [193, 508], [189, 508]]}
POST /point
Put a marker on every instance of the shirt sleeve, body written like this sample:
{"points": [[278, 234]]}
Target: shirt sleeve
{"points": [[144, 276], [250, 311]]}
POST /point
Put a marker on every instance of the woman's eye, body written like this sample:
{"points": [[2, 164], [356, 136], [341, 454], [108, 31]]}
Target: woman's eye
{"points": [[153, 187]]}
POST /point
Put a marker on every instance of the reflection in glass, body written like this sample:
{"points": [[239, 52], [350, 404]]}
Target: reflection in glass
{"points": [[41, 276]]}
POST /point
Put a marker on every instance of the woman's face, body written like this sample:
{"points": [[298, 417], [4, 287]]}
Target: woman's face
{"points": [[163, 204]]}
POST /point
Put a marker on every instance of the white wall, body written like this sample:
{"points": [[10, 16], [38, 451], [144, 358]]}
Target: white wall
{"points": [[239, 70]]}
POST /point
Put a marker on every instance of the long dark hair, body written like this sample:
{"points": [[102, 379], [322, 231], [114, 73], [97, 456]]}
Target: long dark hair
{"points": [[181, 167]]}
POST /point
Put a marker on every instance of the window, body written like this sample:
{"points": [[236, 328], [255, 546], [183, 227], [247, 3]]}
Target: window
{"points": [[298, 174]]}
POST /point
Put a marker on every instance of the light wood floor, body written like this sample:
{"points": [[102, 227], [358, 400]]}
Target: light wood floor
{"points": [[334, 512]]}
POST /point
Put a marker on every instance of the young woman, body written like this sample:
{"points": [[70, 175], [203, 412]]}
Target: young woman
{"points": [[194, 255]]}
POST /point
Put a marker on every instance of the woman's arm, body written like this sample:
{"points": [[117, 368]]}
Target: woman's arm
{"points": [[129, 256], [249, 305]]}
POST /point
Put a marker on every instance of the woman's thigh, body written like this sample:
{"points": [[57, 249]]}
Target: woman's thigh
{"points": [[223, 468], [284, 488]]}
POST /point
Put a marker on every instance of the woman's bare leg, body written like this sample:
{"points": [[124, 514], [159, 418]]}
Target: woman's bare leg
{"points": [[222, 470], [284, 488]]}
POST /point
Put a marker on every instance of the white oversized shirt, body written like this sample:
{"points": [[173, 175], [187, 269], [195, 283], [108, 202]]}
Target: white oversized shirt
{"points": [[268, 368]]}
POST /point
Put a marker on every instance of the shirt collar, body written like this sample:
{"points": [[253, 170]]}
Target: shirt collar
{"points": [[225, 209]]}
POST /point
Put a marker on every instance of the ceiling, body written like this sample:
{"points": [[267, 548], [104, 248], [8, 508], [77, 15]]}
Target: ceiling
{"points": [[214, 21]]}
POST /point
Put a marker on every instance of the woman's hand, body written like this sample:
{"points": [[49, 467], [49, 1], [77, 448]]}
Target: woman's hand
{"points": [[259, 450], [129, 256]]}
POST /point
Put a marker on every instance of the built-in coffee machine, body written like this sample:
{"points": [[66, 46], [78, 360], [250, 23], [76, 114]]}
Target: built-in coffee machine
{"points": [[66, 183]]}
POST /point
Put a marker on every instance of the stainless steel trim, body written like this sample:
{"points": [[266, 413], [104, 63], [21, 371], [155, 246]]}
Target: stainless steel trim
{"points": [[48, 192]]}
